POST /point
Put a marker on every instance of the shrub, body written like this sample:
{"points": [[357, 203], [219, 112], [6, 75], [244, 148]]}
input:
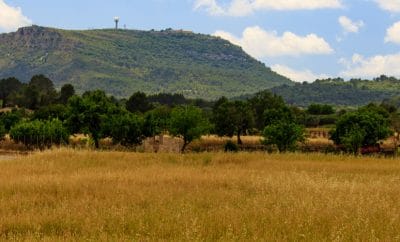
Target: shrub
{"points": [[230, 146], [9, 119], [39, 134]]}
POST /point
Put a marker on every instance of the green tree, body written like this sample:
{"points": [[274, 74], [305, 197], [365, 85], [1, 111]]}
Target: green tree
{"points": [[261, 102], [37, 93], [320, 109], [28, 98], [277, 114], [9, 119], [284, 134], [52, 111], [372, 107], [370, 124], [243, 119], [138, 103], [88, 114], [66, 92], [8, 86], [125, 129], [395, 125], [224, 112], [46, 93], [353, 139], [188, 122], [168, 99], [232, 118], [156, 121]]}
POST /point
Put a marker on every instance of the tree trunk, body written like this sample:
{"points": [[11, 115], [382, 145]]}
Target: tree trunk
{"points": [[184, 146], [96, 142], [239, 140], [396, 140]]}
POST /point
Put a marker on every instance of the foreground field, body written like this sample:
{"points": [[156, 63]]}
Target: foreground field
{"points": [[86, 195]]}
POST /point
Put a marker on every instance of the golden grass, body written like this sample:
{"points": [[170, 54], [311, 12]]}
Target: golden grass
{"points": [[318, 142], [87, 195], [216, 140], [213, 143]]}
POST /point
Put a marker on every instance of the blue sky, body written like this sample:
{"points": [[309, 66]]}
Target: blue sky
{"points": [[302, 39]]}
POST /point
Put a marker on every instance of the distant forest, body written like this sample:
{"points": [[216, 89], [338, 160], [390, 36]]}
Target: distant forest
{"points": [[356, 92]]}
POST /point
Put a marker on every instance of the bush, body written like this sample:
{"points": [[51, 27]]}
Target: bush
{"points": [[230, 146], [39, 134], [9, 119]]}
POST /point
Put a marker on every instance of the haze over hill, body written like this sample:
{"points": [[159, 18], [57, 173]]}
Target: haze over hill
{"points": [[124, 61]]}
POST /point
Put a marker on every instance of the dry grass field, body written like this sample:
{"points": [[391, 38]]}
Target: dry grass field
{"points": [[67, 195]]}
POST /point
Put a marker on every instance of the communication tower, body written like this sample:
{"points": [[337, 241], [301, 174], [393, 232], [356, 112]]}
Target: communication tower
{"points": [[116, 20]]}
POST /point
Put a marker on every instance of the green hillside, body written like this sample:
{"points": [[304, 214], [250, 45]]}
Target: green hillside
{"points": [[124, 61], [356, 92]]}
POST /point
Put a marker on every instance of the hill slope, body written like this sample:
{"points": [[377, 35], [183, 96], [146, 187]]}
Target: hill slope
{"points": [[355, 92], [123, 61]]}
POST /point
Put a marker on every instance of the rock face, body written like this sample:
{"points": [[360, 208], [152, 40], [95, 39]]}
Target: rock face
{"points": [[33, 38], [36, 38], [124, 61]]}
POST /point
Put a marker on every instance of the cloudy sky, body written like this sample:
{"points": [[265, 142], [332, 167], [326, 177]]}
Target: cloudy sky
{"points": [[302, 39]]}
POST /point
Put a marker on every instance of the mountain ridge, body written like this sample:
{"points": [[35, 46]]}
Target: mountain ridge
{"points": [[124, 61]]}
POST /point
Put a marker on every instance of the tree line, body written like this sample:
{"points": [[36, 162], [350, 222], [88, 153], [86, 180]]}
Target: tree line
{"points": [[46, 116], [337, 91]]}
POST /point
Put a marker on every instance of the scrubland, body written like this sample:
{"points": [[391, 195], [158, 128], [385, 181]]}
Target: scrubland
{"points": [[67, 195]]}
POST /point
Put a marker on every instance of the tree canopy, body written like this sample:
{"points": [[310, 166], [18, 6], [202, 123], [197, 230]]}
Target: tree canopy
{"points": [[189, 123], [365, 127]]}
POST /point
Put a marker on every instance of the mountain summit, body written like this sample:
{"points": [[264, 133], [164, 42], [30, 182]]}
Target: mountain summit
{"points": [[124, 61]]}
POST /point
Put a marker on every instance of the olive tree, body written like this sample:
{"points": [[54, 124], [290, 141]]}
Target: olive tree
{"points": [[284, 135], [365, 127], [188, 122]]}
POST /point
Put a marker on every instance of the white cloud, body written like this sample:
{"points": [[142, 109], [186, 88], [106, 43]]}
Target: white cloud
{"points": [[389, 5], [350, 26], [374, 66], [210, 6], [260, 43], [297, 76], [393, 33], [11, 18], [246, 7]]}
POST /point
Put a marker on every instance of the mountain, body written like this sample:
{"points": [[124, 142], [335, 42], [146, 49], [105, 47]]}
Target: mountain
{"points": [[355, 92], [124, 61]]}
